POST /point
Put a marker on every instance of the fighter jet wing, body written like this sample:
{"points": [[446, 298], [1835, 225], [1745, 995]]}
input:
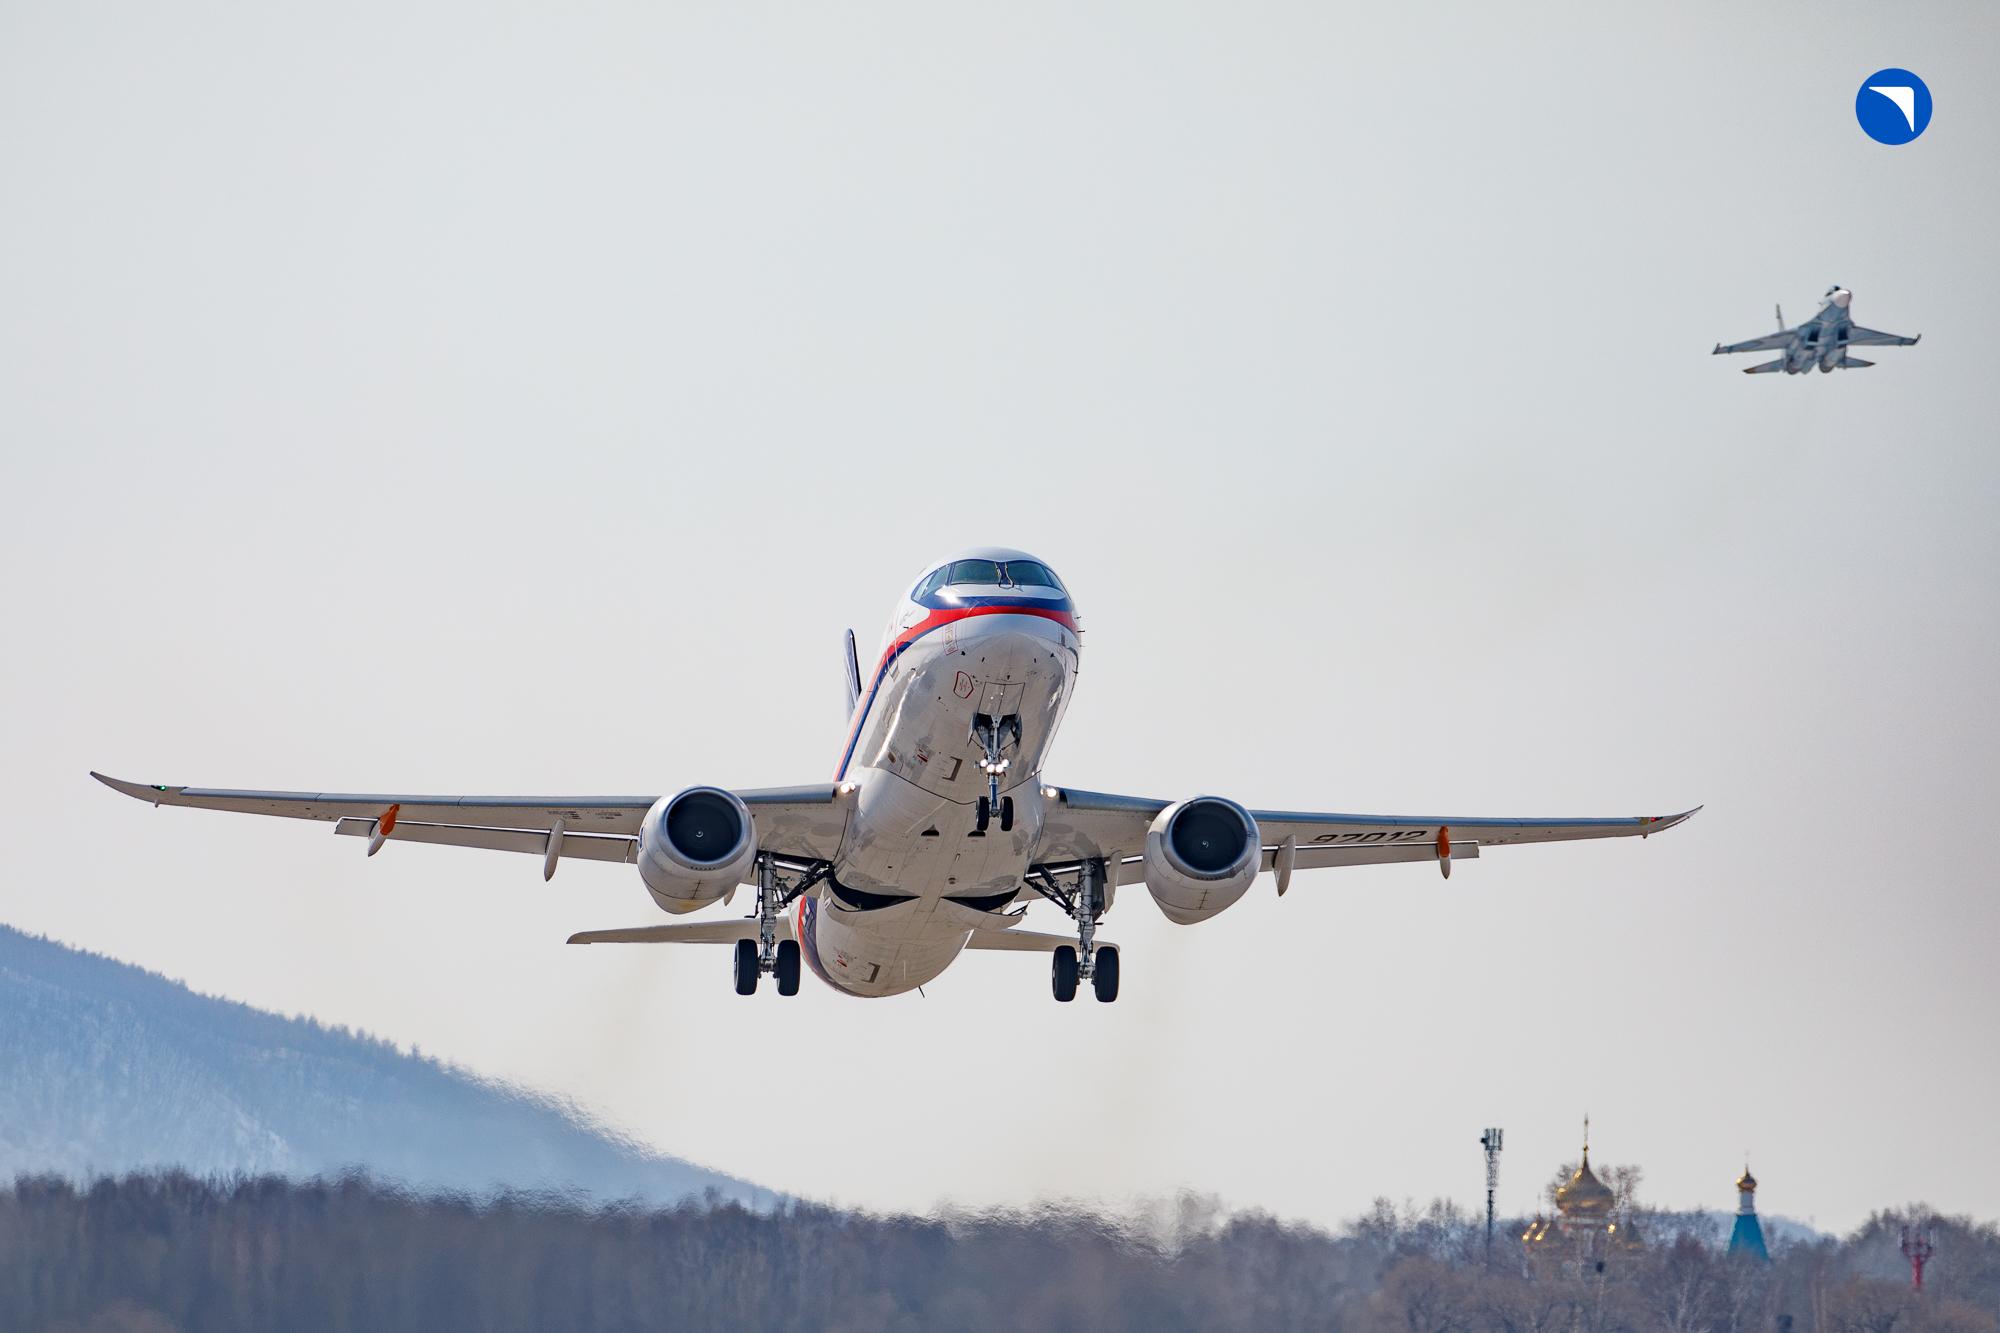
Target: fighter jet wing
{"points": [[1769, 342], [1860, 337]]}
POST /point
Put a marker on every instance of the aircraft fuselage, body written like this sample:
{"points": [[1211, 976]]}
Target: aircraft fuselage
{"points": [[917, 875]]}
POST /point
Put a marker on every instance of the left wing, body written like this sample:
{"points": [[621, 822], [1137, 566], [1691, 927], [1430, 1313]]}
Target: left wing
{"points": [[1769, 342], [1089, 824], [806, 823], [1860, 337]]}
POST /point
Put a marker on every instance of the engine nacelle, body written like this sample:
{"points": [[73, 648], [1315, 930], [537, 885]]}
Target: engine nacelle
{"points": [[695, 847], [1201, 855]]}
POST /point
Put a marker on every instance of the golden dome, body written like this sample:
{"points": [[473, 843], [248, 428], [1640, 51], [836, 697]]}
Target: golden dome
{"points": [[1747, 1182], [1585, 1195]]}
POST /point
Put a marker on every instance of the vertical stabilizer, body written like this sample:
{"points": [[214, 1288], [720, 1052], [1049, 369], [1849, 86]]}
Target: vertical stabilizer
{"points": [[851, 667]]}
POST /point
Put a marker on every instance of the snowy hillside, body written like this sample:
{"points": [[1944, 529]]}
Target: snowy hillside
{"points": [[106, 1067]]}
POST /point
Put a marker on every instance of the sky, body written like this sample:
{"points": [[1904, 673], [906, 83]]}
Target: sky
{"points": [[471, 398]]}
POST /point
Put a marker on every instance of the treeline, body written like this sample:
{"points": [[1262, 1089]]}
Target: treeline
{"points": [[175, 1254]]}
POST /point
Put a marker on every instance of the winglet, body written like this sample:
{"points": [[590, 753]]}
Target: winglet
{"points": [[149, 793], [1661, 823]]}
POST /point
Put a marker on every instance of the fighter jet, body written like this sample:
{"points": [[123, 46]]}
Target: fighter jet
{"points": [[1822, 340]]}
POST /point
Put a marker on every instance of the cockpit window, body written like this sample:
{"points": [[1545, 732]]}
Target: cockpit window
{"points": [[985, 572], [988, 574], [1031, 574]]}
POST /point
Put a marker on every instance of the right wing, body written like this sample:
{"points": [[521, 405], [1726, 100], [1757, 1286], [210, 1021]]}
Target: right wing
{"points": [[1768, 343], [1083, 824], [1860, 337], [804, 823]]}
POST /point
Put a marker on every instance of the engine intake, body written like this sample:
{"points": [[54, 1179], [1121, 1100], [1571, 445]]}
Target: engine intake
{"points": [[1201, 855], [695, 847]]}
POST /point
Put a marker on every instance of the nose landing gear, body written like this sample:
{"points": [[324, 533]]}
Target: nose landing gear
{"points": [[994, 734]]}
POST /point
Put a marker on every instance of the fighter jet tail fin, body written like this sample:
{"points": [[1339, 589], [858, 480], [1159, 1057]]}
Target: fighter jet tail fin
{"points": [[1780, 311], [1768, 368], [1854, 363]]}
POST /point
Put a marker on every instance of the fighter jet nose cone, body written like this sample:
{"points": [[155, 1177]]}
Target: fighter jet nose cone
{"points": [[1841, 296]]}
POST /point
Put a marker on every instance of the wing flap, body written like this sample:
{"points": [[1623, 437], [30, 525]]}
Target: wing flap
{"points": [[582, 846]]}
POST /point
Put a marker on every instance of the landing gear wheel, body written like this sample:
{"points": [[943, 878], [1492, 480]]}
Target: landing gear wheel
{"points": [[746, 967], [1006, 814], [982, 814], [788, 968], [1063, 973], [1104, 974]]}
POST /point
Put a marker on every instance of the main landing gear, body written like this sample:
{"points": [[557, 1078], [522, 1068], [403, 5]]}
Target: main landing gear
{"points": [[767, 953], [1084, 903], [993, 735]]}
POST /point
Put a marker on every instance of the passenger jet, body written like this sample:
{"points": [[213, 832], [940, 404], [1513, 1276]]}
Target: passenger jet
{"points": [[938, 827]]}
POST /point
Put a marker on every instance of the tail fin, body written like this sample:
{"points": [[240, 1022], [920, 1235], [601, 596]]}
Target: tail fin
{"points": [[1768, 368], [852, 670], [1853, 363]]}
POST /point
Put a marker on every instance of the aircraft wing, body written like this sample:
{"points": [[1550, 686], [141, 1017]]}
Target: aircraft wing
{"points": [[806, 823], [1860, 337], [1768, 343], [1085, 824]]}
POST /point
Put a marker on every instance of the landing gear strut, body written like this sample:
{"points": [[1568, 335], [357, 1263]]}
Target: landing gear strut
{"points": [[767, 954], [1087, 961], [993, 735]]}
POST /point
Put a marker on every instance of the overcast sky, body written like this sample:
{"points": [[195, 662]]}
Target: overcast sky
{"points": [[457, 398]]}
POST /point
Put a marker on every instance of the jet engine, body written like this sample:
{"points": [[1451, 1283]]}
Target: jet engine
{"points": [[1201, 855], [695, 847]]}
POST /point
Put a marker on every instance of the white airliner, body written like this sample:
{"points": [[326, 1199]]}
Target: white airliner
{"points": [[937, 827]]}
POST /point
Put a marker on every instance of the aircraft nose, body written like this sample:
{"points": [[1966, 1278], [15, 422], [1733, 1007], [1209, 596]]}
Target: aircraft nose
{"points": [[1841, 296]]}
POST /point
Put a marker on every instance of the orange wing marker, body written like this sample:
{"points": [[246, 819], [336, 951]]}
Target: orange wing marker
{"points": [[383, 828], [1444, 850]]}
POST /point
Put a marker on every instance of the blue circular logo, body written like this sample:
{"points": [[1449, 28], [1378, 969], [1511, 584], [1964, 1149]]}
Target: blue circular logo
{"points": [[1893, 106]]}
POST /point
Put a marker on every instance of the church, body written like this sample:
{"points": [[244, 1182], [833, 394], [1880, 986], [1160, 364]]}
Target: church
{"points": [[1589, 1226], [1592, 1226]]}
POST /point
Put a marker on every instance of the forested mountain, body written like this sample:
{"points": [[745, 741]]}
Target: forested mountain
{"points": [[171, 1254], [105, 1067]]}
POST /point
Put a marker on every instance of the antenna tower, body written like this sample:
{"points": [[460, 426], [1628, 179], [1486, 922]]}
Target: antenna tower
{"points": [[1919, 1244], [1490, 1141]]}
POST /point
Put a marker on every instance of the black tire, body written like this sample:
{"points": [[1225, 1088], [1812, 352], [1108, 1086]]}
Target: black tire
{"points": [[1006, 814], [1062, 973], [788, 967], [982, 815], [746, 967], [1104, 974]]}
